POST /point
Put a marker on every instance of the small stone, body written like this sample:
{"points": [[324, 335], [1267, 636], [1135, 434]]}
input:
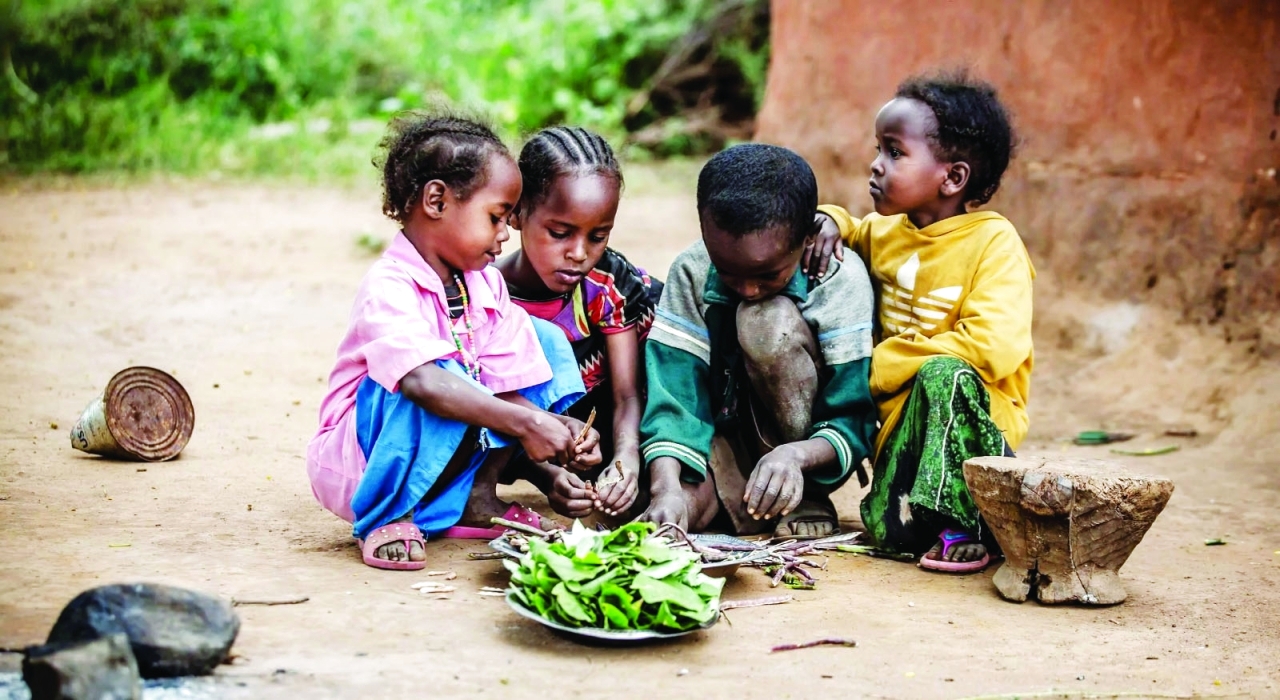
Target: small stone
{"points": [[682, 672], [102, 668], [53, 426], [172, 631], [1080, 677]]}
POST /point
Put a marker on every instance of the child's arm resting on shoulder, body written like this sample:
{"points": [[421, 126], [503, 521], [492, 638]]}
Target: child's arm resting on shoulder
{"points": [[827, 241], [544, 437], [992, 333]]}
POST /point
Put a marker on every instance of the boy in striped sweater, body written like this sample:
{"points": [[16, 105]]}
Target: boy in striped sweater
{"points": [[759, 405]]}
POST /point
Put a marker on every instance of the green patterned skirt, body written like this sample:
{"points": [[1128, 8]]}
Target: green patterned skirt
{"points": [[918, 488]]}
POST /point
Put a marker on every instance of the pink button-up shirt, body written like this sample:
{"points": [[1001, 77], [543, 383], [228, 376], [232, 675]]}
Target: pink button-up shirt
{"points": [[399, 322]]}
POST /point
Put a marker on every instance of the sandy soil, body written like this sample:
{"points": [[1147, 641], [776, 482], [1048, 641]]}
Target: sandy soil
{"points": [[243, 292]]}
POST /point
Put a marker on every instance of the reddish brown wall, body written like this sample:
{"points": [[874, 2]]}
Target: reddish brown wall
{"points": [[1147, 167]]}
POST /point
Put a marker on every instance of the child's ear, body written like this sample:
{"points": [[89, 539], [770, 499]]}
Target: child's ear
{"points": [[957, 179], [515, 220], [433, 199]]}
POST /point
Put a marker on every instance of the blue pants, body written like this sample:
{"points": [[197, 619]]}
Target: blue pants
{"points": [[407, 447]]}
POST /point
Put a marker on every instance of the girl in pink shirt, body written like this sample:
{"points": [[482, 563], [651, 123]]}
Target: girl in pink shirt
{"points": [[439, 375]]}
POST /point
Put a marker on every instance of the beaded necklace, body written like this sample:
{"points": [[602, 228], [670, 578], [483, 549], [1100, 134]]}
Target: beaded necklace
{"points": [[472, 364]]}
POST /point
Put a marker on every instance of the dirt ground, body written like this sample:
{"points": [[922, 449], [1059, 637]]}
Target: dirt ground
{"points": [[243, 293]]}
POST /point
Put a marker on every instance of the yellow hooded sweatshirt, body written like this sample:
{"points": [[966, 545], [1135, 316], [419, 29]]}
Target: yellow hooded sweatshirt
{"points": [[958, 287]]}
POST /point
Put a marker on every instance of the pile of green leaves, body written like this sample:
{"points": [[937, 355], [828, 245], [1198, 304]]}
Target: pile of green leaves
{"points": [[622, 579]]}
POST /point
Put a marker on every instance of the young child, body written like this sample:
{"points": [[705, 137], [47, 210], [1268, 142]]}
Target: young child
{"points": [[565, 273], [438, 367], [758, 403], [952, 367]]}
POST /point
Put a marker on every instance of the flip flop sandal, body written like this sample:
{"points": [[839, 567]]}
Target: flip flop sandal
{"points": [[516, 513], [949, 539], [392, 532]]}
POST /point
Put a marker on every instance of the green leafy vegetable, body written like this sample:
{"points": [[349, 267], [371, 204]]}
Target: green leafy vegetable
{"points": [[619, 580]]}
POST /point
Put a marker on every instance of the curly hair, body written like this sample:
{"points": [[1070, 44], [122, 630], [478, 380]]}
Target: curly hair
{"points": [[422, 146], [560, 151], [755, 186], [972, 126]]}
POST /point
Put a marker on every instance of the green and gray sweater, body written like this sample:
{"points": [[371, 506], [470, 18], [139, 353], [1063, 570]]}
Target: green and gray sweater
{"points": [[694, 364]]}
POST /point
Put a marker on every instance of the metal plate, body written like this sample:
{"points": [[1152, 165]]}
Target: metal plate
{"points": [[590, 635]]}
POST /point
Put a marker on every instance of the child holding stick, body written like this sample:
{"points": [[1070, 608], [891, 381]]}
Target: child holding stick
{"points": [[440, 376], [565, 273]]}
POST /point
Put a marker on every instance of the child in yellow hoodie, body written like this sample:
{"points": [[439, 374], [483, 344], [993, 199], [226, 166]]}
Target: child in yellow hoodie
{"points": [[952, 364]]}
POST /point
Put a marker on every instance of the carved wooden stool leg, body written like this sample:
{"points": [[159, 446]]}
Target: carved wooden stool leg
{"points": [[1066, 525]]}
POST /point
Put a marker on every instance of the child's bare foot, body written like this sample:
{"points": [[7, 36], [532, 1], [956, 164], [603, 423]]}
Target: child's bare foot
{"points": [[396, 551], [812, 519]]}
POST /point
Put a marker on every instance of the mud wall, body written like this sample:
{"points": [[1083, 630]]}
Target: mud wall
{"points": [[1147, 168]]}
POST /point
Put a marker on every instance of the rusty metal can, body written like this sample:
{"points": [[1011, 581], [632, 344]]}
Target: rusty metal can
{"points": [[143, 414]]}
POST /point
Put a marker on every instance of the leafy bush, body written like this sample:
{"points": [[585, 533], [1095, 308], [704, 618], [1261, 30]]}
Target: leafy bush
{"points": [[179, 85]]}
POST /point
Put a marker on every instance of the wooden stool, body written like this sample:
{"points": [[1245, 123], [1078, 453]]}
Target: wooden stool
{"points": [[1066, 524]]}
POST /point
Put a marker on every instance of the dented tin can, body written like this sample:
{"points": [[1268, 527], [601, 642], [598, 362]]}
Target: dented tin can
{"points": [[143, 414]]}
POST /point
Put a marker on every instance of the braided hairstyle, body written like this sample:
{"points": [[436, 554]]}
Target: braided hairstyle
{"points": [[420, 147], [972, 126], [559, 151]]}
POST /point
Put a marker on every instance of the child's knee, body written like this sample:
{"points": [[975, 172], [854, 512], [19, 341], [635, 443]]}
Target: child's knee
{"points": [[772, 329]]}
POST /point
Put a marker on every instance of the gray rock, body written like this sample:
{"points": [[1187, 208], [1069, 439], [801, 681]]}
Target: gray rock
{"points": [[101, 669], [173, 631]]}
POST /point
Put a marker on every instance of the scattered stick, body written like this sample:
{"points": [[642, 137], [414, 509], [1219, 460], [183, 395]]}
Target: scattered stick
{"points": [[492, 594], [294, 600], [483, 556], [874, 552], [756, 602], [520, 527], [1147, 453], [830, 641], [493, 589]]}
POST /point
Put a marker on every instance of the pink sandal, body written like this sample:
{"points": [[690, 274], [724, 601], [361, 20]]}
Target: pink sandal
{"points": [[516, 513], [392, 532], [951, 538]]}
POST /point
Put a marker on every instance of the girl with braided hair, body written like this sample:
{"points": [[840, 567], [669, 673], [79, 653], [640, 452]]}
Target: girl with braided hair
{"points": [[439, 375], [565, 273], [951, 369]]}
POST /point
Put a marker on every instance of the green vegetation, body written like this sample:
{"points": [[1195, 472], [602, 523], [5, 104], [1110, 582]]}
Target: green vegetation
{"points": [[302, 88]]}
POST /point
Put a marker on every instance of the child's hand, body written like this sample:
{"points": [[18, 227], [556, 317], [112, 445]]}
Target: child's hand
{"points": [[617, 488], [826, 242], [569, 495], [545, 438], [586, 454], [776, 485]]}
